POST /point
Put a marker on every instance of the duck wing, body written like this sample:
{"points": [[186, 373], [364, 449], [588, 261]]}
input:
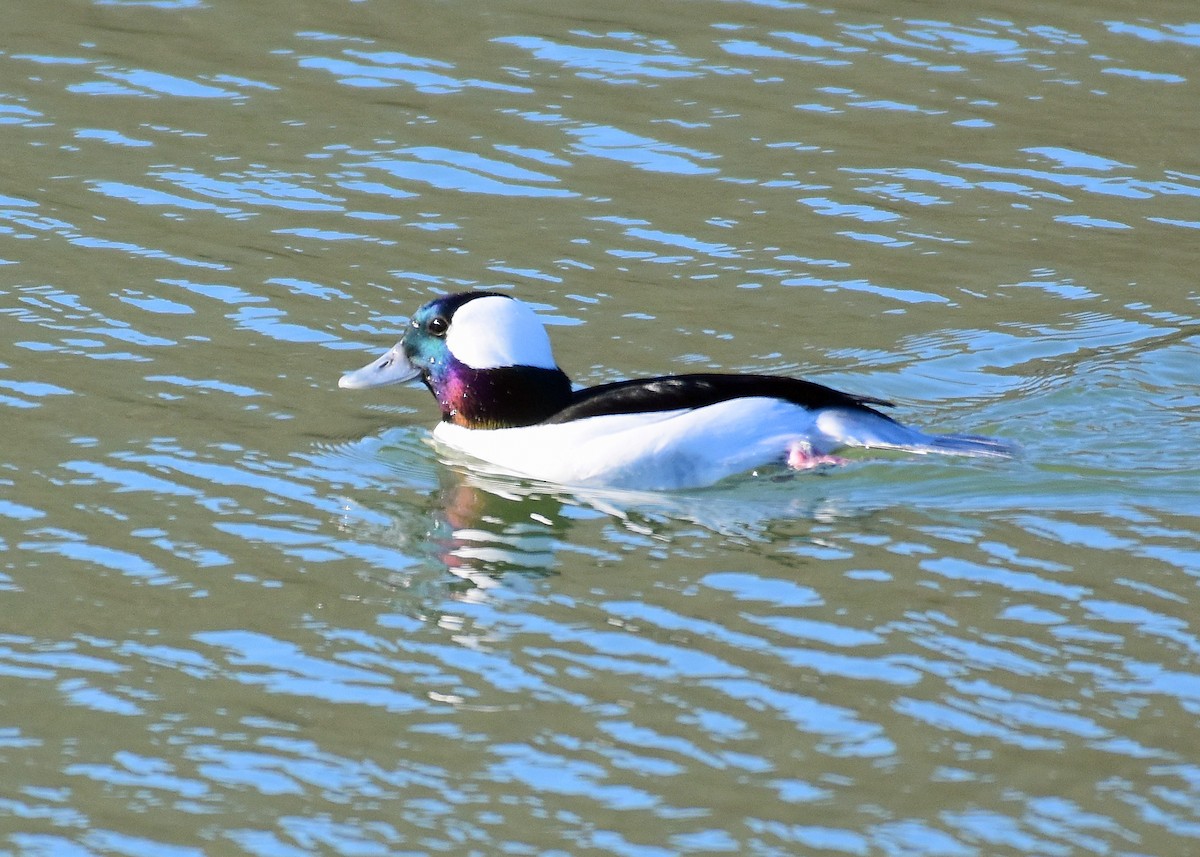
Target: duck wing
{"points": [[678, 392]]}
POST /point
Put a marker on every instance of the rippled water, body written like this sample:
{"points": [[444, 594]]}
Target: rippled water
{"points": [[248, 613]]}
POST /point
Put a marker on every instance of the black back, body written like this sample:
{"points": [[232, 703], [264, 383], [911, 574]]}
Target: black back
{"points": [[676, 392]]}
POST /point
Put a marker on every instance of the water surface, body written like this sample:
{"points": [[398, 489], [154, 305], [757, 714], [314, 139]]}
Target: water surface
{"points": [[248, 613]]}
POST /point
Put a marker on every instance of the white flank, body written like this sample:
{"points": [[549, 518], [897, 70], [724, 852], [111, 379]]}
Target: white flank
{"points": [[491, 332], [655, 451], [693, 448]]}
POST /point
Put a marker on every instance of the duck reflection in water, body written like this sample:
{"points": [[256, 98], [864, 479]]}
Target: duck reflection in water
{"points": [[486, 528]]}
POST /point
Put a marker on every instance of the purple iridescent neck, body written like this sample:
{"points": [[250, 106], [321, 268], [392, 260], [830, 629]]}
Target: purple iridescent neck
{"points": [[505, 397]]}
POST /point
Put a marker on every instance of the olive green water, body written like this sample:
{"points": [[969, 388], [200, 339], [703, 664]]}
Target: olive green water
{"points": [[247, 613]]}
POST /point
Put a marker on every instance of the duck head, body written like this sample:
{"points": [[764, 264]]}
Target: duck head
{"points": [[485, 356]]}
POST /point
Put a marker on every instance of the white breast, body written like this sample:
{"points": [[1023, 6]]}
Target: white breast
{"points": [[655, 451]]}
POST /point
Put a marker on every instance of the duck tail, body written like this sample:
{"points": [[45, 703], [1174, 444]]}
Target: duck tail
{"points": [[870, 429], [973, 445]]}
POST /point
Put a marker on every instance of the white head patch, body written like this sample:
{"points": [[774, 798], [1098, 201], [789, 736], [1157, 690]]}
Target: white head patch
{"points": [[490, 332]]}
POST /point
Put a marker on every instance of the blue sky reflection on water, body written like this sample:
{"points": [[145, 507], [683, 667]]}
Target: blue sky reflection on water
{"points": [[248, 612]]}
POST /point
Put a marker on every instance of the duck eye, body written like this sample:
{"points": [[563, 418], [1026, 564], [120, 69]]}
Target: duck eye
{"points": [[438, 326]]}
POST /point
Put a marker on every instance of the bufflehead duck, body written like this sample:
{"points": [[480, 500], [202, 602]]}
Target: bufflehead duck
{"points": [[486, 358]]}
